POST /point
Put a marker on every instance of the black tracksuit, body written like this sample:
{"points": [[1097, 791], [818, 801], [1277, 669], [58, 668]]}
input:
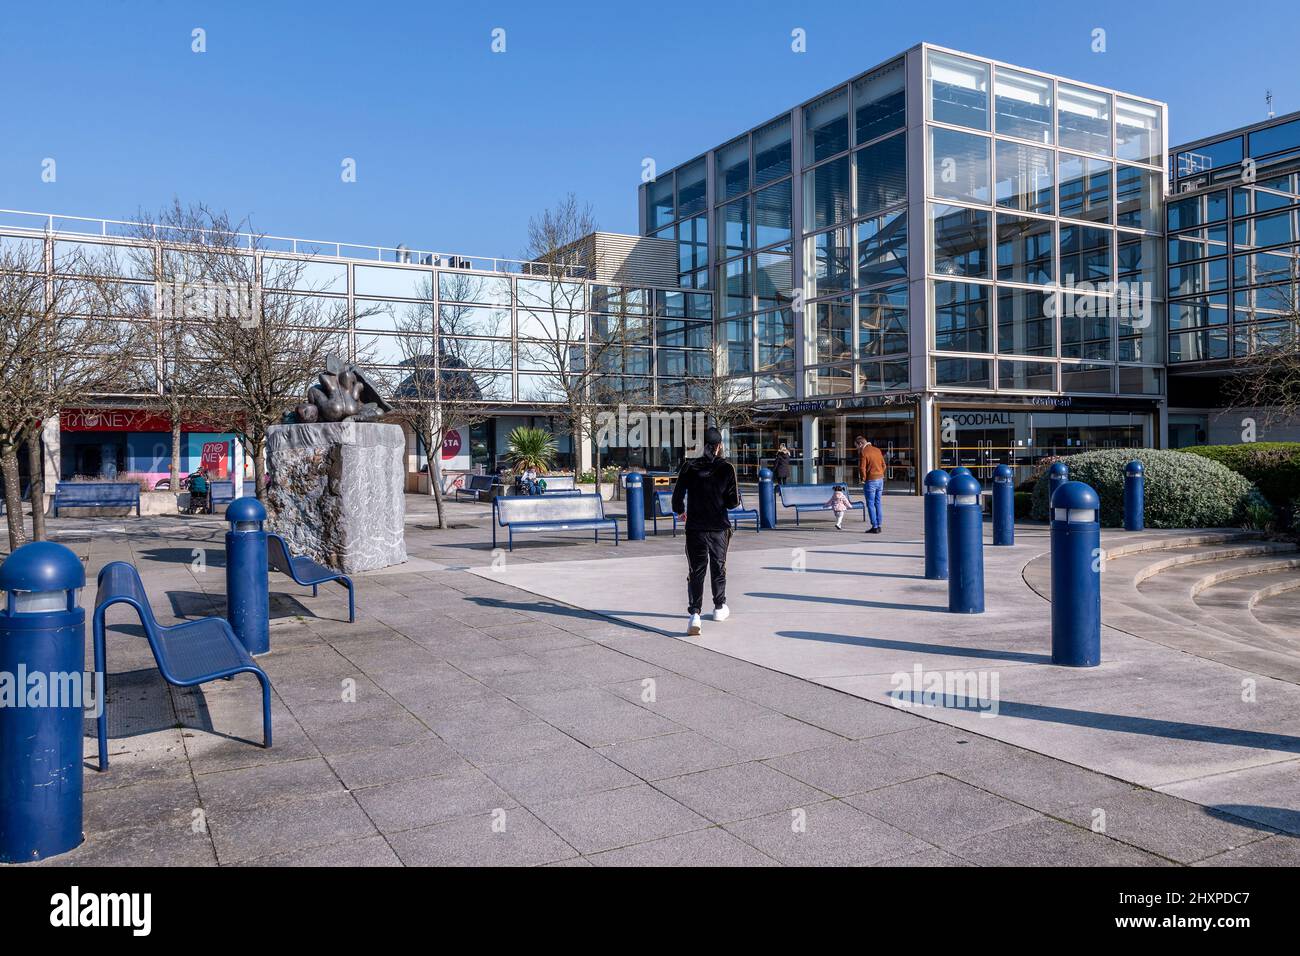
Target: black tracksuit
{"points": [[705, 490]]}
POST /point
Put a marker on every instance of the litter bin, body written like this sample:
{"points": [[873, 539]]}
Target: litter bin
{"points": [[42, 642]]}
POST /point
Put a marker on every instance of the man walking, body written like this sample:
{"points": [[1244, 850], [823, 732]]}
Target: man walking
{"points": [[871, 469], [705, 490]]}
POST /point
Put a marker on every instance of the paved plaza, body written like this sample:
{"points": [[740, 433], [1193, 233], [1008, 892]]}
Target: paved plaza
{"points": [[545, 708]]}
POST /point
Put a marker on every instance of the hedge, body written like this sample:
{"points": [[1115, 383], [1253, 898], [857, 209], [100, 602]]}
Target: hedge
{"points": [[1272, 466], [1182, 491]]}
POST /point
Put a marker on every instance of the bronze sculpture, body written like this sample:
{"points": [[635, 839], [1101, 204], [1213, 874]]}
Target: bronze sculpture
{"points": [[343, 395]]}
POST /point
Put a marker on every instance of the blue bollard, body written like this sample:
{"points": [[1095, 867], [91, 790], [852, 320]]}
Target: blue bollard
{"points": [[1134, 496], [936, 525], [42, 632], [248, 590], [1004, 506], [766, 499], [1076, 576], [635, 508], [959, 470], [965, 546], [1057, 475]]}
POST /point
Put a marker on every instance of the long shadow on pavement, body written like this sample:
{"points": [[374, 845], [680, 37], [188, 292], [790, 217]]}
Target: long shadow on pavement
{"points": [[850, 602], [917, 647]]}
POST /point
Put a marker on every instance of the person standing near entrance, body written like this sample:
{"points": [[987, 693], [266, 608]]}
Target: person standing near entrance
{"points": [[781, 465], [871, 469], [705, 490]]}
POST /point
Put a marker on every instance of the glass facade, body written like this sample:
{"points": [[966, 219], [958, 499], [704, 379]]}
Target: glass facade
{"points": [[1232, 243]]}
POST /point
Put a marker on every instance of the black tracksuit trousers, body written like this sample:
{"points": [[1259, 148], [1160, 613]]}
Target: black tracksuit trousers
{"points": [[706, 551]]}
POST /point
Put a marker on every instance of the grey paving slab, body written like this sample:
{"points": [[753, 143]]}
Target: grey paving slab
{"points": [[369, 733], [941, 810], [925, 858], [251, 786], [1273, 794], [241, 835], [739, 791], [168, 803], [553, 776], [671, 755], [507, 838], [424, 758], [773, 735], [1173, 828], [711, 847], [367, 852], [830, 833], [481, 744], [597, 717], [849, 767], [617, 818], [1279, 850], [1047, 842], [406, 804], [145, 845]]}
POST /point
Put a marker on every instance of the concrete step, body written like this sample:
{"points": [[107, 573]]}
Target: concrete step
{"points": [[1174, 589], [1280, 610], [1228, 600]]}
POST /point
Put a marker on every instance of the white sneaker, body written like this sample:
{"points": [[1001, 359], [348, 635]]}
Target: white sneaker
{"points": [[693, 629], [721, 613]]}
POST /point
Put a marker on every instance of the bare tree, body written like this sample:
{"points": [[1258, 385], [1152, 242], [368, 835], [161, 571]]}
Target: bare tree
{"points": [[59, 344], [726, 403], [585, 358], [436, 388], [169, 368], [266, 329], [1266, 379]]}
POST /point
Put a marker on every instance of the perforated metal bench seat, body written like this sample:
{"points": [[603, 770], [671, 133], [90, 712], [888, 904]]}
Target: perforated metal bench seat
{"points": [[221, 491], [664, 509], [556, 484], [813, 498], [303, 570], [560, 512], [476, 485], [96, 494], [190, 653]]}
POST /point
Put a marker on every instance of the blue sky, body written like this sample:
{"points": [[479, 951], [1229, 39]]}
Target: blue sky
{"points": [[456, 146]]}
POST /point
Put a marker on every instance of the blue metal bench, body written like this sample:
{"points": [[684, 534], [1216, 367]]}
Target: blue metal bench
{"points": [[475, 487], [96, 494], [814, 498], [664, 509], [221, 491], [188, 654], [306, 572], [559, 512], [558, 484]]}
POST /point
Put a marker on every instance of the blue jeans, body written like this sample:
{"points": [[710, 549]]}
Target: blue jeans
{"points": [[871, 492]]}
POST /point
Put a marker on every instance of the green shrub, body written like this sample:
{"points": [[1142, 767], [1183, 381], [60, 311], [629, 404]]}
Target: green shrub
{"points": [[1024, 504], [1272, 466], [1182, 491]]}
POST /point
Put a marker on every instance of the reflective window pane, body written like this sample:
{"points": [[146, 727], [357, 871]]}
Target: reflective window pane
{"points": [[734, 235], [1085, 187], [1024, 178], [1024, 105], [1137, 131], [691, 195], [882, 322], [772, 215], [834, 330], [1025, 249], [959, 165], [826, 127], [772, 151], [1086, 377], [882, 174], [960, 241], [1026, 326], [1083, 118], [961, 317], [958, 90], [733, 168], [880, 102], [1137, 197], [826, 194], [961, 373], [882, 248], [1027, 376], [1085, 254], [829, 266]]}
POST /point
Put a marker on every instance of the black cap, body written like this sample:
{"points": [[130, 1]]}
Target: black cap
{"points": [[712, 437]]}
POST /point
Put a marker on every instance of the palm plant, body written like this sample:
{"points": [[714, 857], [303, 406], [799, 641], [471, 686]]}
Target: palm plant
{"points": [[531, 448]]}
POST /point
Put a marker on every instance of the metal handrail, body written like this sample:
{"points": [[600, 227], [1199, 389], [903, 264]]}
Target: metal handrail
{"points": [[55, 223]]}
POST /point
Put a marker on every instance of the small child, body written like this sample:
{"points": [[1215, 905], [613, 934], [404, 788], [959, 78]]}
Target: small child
{"points": [[839, 503]]}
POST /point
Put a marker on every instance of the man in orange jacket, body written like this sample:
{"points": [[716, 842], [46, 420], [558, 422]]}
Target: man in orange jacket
{"points": [[871, 469]]}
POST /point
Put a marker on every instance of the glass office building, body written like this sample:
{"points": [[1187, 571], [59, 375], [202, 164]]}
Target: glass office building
{"points": [[1233, 232], [496, 322], [956, 257]]}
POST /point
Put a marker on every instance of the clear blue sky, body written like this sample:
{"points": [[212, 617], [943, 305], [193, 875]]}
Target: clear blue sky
{"points": [[456, 146]]}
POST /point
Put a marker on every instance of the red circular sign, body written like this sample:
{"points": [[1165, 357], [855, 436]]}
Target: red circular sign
{"points": [[450, 445]]}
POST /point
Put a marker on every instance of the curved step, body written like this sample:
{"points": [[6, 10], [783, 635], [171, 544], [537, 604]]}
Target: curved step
{"points": [[1173, 590], [1280, 610], [1240, 595]]}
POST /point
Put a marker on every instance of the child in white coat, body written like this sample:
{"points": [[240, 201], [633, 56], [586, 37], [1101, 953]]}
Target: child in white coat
{"points": [[839, 503]]}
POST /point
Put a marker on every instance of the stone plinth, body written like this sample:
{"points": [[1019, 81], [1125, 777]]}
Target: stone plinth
{"points": [[337, 492]]}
